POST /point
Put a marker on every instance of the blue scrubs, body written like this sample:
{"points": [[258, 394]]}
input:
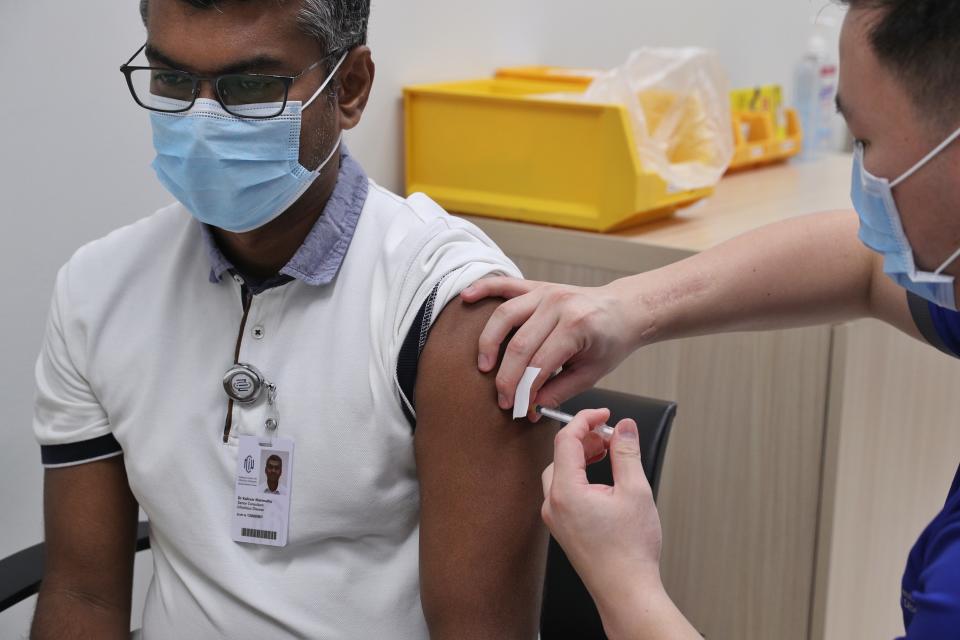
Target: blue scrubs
{"points": [[931, 582]]}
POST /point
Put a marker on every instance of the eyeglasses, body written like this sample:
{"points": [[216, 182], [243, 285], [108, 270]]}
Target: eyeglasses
{"points": [[245, 95]]}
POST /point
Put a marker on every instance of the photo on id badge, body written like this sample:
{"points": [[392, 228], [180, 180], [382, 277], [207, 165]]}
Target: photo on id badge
{"points": [[272, 479]]}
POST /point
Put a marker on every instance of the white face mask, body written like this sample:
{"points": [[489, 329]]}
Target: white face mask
{"points": [[881, 230]]}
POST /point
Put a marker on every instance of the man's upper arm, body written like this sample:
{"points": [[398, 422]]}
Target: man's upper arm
{"points": [[91, 526], [90, 515], [482, 543]]}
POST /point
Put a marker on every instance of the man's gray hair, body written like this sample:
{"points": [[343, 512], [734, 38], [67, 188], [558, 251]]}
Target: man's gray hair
{"points": [[337, 24]]}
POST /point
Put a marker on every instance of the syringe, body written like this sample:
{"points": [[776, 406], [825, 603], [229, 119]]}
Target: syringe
{"points": [[604, 431]]}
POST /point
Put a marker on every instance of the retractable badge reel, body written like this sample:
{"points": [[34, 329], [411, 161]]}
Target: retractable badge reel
{"points": [[245, 385]]}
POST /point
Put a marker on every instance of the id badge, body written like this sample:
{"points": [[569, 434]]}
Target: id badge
{"points": [[264, 479]]}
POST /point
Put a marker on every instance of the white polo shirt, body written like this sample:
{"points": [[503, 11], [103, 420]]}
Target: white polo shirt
{"points": [[137, 343]]}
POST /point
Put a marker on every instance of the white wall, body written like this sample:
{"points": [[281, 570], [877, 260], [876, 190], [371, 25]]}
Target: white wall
{"points": [[74, 164], [758, 41], [75, 151]]}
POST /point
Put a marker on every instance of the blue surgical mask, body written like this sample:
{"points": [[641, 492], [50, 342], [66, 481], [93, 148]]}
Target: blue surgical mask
{"points": [[882, 231], [234, 173]]}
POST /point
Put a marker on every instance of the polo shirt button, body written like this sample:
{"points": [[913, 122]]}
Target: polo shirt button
{"points": [[258, 332]]}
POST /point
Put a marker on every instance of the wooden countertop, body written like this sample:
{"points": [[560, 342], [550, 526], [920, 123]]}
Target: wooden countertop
{"points": [[742, 202]]}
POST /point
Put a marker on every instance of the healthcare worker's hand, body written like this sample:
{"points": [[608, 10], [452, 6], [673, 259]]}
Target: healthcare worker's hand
{"points": [[611, 535], [583, 330]]}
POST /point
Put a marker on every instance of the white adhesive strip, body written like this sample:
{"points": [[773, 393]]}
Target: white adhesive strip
{"points": [[521, 399]]}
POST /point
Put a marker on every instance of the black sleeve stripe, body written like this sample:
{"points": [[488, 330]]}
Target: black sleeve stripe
{"points": [[920, 310], [409, 361], [55, 455]]}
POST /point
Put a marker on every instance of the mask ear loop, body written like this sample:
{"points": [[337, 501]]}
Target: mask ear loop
{"points": [[930, 156], [949, 261], [330, 77], [314, 97], [330, 155]]}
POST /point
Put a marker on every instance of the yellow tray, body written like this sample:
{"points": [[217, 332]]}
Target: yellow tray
{"points": [[501, 147]]}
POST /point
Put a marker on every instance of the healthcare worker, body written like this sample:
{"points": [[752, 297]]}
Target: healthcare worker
{"points": [[900, 95]]}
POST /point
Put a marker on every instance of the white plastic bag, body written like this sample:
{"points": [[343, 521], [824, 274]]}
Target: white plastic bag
{"points": [[679, 102]]}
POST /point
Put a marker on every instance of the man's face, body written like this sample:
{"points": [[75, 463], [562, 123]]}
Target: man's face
{"points": [[897, 134], [246, 37], [273, 470]]}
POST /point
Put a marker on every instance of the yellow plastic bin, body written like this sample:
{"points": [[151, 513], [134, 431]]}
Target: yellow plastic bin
{"points": [[501, 147], [757, 143]]}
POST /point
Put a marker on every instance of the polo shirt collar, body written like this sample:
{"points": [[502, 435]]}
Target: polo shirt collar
{"points": [[318, 259]]}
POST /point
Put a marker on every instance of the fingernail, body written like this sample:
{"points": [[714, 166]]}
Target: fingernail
{"points": [[502, 400], [483, 362], [468, 291], [629, 430]]}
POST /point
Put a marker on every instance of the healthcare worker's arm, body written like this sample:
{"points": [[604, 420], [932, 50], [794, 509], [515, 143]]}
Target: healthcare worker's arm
{"points": [[799, 272], [612, 534], [90, 521], [482, 543]]}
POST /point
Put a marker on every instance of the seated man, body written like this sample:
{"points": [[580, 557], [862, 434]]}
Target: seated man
{"points": [[413, 500]]}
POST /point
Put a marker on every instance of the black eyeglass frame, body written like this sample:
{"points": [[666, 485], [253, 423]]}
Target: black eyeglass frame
{"points": [[126, 69]]}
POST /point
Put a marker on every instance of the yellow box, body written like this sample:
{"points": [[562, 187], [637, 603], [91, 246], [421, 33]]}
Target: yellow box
{"points": [[504, 148], [767, 98], [757, 141]]}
